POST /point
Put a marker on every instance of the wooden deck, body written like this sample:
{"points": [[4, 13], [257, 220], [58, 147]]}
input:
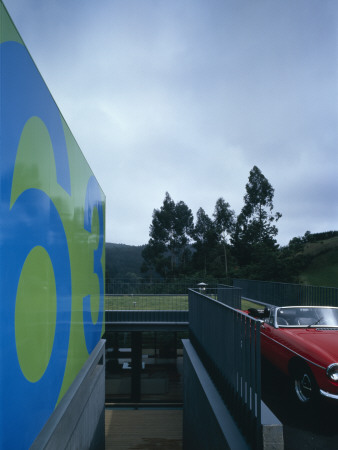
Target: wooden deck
{"points": [[143, 429]]}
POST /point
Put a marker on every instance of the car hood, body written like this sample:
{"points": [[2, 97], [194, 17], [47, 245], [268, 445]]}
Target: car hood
{"points": [[318, 345]]}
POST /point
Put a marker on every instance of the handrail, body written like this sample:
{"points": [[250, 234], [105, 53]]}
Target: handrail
{"points": [[228, 342]]}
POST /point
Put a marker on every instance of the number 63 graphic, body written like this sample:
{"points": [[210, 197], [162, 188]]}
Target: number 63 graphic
{"points": [[34, 221]]}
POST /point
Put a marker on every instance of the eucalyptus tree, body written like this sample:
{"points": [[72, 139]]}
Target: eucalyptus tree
{"points": [[170, 235], [205, 237], [224, 220], [255, 227]]}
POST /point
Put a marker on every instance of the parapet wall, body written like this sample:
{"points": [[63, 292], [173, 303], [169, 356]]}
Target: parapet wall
{"points": [[78, 420]]}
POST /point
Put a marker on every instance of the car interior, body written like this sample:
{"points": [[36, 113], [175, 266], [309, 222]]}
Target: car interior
{"points": [[295, 316]]}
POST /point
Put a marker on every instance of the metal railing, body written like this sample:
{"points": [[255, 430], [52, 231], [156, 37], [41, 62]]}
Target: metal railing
{"points": [[116, 286], [228, 343], [229, 295], [287, 294], [147, 317], [150, 308]]}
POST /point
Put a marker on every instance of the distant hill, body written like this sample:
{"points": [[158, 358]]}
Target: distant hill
{"points": [[320, 267], [322, 262], [123, 261]]}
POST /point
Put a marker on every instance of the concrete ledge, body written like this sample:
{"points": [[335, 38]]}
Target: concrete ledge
{"points": [[78, 420], [272, 430], [207, 423]]}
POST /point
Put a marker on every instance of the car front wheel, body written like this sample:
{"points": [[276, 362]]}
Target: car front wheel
{"points": [[305, 386]]}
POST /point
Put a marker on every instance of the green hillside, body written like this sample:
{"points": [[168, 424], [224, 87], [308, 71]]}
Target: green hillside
{"points": [[123, 261], [319, 256], [322, 266]]}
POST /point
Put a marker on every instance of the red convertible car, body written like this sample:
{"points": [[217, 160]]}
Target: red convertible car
{"points": [[302, 341]]}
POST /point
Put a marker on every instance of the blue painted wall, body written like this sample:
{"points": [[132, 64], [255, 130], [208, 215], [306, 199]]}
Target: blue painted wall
{"points": [[52, 253]]}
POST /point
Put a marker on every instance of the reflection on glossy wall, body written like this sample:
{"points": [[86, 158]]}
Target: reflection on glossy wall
{"points": [[52, 228]]}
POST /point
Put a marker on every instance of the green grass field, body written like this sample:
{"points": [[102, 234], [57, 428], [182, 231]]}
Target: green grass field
{"points": [[246, 305], [147, 302], [155, 302]]}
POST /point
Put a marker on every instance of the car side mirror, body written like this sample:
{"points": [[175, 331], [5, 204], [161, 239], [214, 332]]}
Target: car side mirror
{"points": [[266, 312]]}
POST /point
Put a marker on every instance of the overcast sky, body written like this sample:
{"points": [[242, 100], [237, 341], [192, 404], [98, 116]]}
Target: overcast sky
{"points": [[186, 96]]}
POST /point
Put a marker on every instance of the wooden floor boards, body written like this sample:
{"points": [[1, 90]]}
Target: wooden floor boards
{"points": [[143, 429]]}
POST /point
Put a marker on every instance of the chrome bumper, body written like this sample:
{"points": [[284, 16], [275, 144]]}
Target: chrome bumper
{"points": [[328, 395]]}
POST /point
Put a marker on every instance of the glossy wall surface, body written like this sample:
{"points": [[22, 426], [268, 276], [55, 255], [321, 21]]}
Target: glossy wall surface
{"points": [[52, 252]]}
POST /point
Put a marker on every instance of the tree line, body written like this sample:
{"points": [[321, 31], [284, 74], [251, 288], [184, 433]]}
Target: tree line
{"points": [[224, 245]]}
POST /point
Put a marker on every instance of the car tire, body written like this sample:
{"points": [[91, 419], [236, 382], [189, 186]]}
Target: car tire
{"points": [[305, 386]]}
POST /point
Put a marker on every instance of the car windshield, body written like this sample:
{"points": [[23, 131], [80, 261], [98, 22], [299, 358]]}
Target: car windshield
{"points": [[307, 317]]}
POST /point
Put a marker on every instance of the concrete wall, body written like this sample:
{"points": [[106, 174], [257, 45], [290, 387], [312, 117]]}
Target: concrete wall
{"points": [[78, 420], [207, 424]]}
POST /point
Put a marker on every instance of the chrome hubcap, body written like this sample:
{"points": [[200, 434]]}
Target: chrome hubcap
{"points": [[303, 387]]}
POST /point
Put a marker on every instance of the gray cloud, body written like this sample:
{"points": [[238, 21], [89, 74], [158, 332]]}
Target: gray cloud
{"points": [[187, 96]]}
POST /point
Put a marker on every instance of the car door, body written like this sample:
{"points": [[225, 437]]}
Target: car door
{"points": [[273, 343]]}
